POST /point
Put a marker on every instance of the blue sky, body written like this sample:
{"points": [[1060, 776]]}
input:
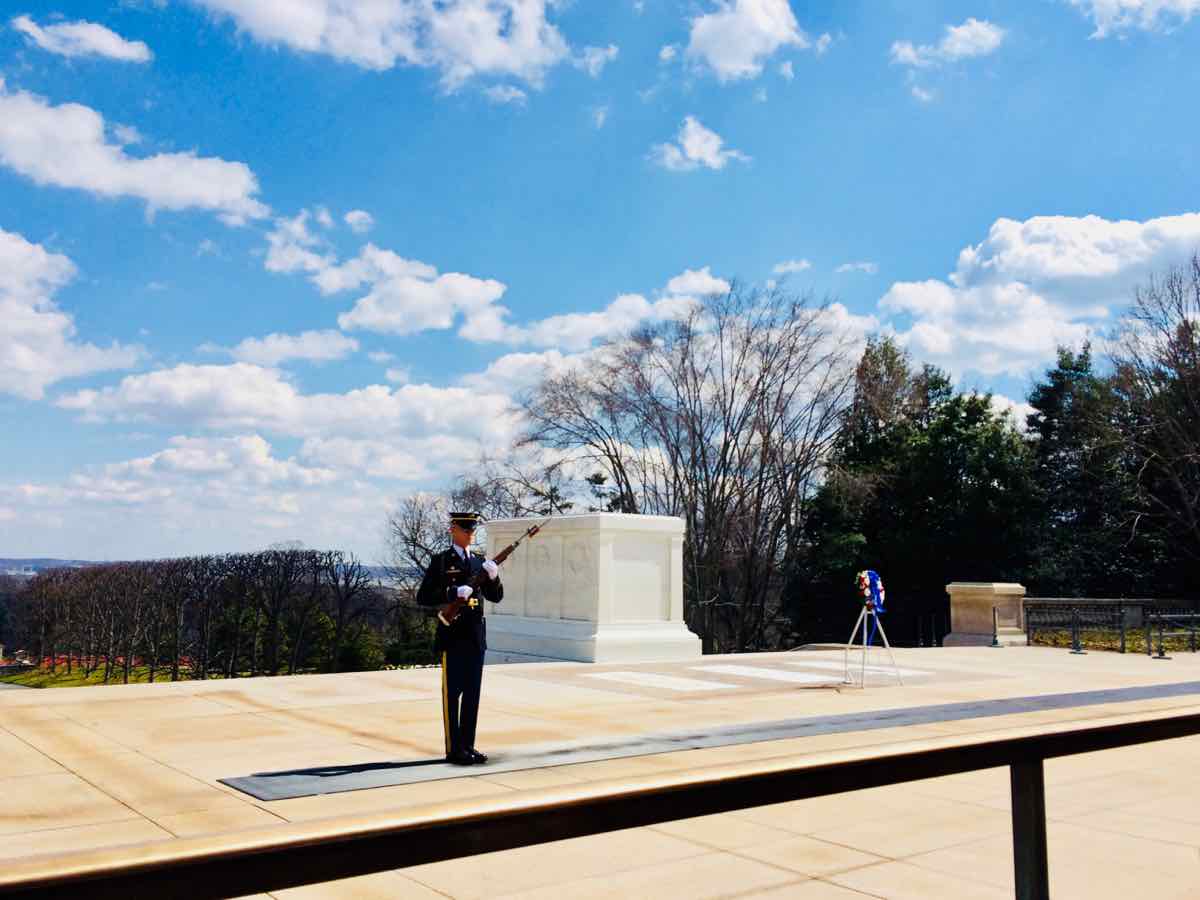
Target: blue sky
{"points": [[263, 272]]}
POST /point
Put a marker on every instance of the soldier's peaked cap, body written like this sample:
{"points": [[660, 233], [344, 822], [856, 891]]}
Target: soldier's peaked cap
{"points": [[467, 521]]}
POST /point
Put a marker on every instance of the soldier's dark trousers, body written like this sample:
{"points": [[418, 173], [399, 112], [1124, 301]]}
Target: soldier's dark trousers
{"points": [[462, 677]]}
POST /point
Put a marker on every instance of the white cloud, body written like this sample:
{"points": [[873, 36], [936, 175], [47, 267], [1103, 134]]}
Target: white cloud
{"points": [[516, 372], [37, 340], [593, 59], [359, 220], [697, 283], [461, 39], [919, 93], [600, 116], [292, 247], [505, 93], [869, 268], [786, 70], [1034, 285], [1015, 411], [65, 146], [324, 219], [82, 39], [91, 515], [400, 458], [736, 38], [399, 374], [846, 325], [791, 265], [314, 346], [244, 396], [200, 495], [370, 266], [127, 134], [970, 39], [697, 146], [247, 458], [668, 53], [1115, 16], [380, 356], [207, 247], [823, 43], [578, 331], [408, 296]]}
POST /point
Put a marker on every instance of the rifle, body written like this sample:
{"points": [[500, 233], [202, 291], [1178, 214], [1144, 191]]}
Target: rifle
{"points": [[454, 609]]}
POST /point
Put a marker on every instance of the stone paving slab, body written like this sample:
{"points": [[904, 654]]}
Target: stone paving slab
{"points": [[336, 778], [1132, 811]]}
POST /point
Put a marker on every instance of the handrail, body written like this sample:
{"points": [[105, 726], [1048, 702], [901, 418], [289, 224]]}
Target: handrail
{"points": [[328, 849]]}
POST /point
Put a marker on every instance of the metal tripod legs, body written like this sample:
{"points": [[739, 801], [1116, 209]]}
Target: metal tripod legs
{"points": [[866, 618]]}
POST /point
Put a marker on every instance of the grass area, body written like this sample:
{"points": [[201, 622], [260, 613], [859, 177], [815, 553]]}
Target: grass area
{"points": [[44, 678]]}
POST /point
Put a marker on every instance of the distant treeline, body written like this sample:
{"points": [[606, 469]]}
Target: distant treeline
{"points": [[275, 612]]}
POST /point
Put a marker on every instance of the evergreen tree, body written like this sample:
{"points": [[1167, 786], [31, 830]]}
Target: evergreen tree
{"points": [[1093, 539], [926, 486]]}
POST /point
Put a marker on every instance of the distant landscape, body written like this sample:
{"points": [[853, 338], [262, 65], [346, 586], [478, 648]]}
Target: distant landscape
{"points": [[9, 566], [284, 610], [16, 566]]}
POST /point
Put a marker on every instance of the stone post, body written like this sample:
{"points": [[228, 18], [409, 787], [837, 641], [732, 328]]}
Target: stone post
{"points": [[597, 587], [971, 604]]}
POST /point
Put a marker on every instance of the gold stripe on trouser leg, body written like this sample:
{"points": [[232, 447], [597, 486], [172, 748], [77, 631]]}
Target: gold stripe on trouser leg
{"points": [[445, 705]]}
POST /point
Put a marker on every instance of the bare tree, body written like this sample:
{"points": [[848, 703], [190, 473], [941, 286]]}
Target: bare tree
{"points": [[416, 529], [723, 418], [518, 484], [351, 596], [203, 575], [1157, 363]]}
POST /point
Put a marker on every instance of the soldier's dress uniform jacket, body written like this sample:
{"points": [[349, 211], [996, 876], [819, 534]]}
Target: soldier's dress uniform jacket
{"points": [[460, 646]]}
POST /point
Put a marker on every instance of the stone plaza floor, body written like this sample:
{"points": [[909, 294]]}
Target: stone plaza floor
{"points": [[108, 767]]}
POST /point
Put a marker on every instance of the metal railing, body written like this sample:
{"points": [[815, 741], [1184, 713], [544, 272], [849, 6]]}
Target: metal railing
{"points": [[330, 849], [1171, 625], [1119, 618]]}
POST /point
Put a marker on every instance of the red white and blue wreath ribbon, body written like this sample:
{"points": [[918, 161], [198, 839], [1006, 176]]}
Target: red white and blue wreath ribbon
{"points": [[870, 586]]}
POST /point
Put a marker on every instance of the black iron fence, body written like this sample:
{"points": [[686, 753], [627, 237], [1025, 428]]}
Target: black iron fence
{"points": [[1167, 625], [1117, 624]]}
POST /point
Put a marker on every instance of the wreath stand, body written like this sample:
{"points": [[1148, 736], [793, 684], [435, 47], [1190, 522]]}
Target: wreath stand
{"points": [[868, 618]]}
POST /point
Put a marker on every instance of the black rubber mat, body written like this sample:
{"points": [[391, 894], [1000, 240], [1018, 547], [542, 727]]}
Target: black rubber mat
{"points": [[335, 779]]}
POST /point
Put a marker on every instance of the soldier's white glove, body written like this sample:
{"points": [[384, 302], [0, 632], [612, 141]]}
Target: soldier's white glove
{"points": [[493, 570], [464, 592]]}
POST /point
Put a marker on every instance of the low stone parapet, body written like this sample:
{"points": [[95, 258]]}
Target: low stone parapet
{"points": [[971, 605]]}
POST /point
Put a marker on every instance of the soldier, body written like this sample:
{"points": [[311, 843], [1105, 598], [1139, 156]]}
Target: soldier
{"points": [[460, 645]]}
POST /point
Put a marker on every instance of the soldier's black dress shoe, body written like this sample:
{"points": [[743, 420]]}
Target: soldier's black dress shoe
{"points": [[476, 757], [460, 758]]}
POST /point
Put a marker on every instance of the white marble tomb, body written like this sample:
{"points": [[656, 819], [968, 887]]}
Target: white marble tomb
{"points": [[596, 587]]}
